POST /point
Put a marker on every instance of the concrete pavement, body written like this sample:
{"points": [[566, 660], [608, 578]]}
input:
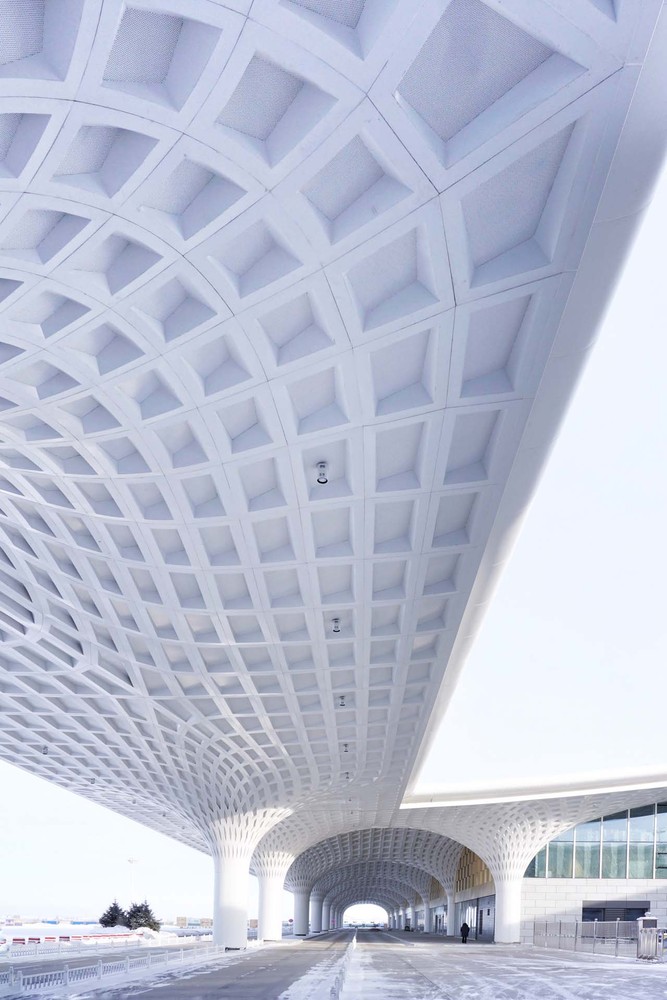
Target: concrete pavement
{"points": [[256, 975]]}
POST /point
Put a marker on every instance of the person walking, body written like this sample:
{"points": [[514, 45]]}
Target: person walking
{"points": [[465, 930]]}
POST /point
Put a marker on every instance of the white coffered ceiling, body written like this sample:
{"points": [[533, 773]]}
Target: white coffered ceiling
{"points": [[238, 240]]}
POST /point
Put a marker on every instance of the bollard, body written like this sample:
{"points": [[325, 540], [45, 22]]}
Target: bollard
{"points": [[99, 969], [127, 963], [66, 975], [182, 955]]}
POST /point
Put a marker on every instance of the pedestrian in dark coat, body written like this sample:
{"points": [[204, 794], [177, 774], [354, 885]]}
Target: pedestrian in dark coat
{"points": [[465, 930]]}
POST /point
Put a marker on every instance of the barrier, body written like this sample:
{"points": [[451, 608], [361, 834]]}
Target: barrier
{"points": [[613, 938], [14, 981]]}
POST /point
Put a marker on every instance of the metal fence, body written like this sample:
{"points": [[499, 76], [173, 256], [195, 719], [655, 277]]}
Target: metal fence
{"points": [[603, 937], [16, 982]]}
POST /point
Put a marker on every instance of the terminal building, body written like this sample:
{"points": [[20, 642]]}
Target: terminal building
{"points": [[293, 298], [609, 868]]}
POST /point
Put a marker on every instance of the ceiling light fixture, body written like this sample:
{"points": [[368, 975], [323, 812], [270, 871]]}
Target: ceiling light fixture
{"points": [[322, 473], [335, 623], [45, 749], [346, 748], [341, 701]]}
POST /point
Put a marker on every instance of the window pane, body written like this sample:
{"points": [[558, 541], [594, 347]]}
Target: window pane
{"points": [[559, 860], [613, 860], [538, 866], [588, 833], [567, 836], [642, 823], [661, 860], [661, 841], [615, 828], [661, 820], [641, 861], [587, 860]]}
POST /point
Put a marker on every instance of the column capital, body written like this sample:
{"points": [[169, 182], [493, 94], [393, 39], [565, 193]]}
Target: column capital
{"points": [[237, 836], [271, 863]]}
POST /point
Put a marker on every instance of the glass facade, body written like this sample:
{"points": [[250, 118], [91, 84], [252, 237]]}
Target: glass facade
{"points": [[628, 844]]}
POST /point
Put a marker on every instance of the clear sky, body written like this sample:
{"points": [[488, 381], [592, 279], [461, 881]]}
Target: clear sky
{"points": [[567, 675]]}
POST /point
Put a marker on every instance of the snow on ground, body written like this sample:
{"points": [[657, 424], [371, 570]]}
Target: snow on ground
{"points": [[388, 970], [317, 981]]}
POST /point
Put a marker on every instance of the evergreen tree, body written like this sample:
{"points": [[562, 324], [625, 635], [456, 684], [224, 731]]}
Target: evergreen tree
{"points": [[141, 915], [114, 916]]}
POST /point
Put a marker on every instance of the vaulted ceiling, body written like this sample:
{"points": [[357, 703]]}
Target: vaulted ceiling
{"points": [[280, 283]]}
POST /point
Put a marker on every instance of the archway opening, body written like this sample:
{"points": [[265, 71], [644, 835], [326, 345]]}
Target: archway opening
{"points": [[365, 914]]}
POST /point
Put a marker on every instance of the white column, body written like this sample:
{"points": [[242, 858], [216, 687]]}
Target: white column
{"points": [[427, 916], [301, 905], [326, 915], [316, 899], [232, 840], [452, 931], [230, 901], [270, 924], [412, 911], [271, 867], [508, 911]]}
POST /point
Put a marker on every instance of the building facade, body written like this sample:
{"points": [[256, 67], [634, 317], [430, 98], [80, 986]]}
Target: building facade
{"points": [[610, 868]]}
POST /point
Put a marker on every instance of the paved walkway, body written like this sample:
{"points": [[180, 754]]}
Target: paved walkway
{"points": [[388, 966]]}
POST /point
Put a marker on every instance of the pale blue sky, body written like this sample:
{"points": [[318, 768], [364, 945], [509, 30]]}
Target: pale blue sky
{"points": [[567, 675]]}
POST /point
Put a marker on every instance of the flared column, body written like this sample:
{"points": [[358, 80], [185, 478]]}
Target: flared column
{"points": [[271, 867], [508, 911], [301, 907], [326, 915], [412, 914], [232, 840], [428, 923], [316, 899]]}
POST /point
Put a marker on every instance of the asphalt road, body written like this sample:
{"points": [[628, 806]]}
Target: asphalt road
{"points": [[255, 975]]}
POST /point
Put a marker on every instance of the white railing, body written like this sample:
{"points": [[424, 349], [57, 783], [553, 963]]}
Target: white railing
{"points": [[15, 981], [97, 943]]}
